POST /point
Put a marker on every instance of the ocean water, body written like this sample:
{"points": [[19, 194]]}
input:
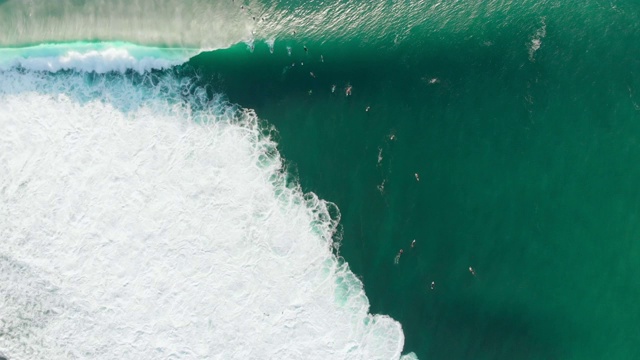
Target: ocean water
{"points": [[235, 180]]}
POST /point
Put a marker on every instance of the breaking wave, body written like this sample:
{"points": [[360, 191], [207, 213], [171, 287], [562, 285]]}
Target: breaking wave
{"points": [[145, 217]]}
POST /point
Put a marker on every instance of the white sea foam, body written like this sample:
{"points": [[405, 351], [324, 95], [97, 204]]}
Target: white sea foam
{"points": [[136, 227]]}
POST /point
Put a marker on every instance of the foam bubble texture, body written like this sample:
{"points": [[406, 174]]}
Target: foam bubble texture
{"points": [[134, 227]]}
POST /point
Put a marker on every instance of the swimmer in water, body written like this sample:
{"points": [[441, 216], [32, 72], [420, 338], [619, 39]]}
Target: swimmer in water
{"points": [[473, 272], [413, 243], [305, 49], [321, 58], [348, 90]]}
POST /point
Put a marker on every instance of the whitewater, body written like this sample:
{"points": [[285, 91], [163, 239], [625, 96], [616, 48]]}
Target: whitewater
{"points": [[142, 216]]}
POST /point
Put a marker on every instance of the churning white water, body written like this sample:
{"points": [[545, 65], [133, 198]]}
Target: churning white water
{"points": [[135, 226]]}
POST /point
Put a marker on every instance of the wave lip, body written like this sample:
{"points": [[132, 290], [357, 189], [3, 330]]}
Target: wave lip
{"points": [[94, 57]]}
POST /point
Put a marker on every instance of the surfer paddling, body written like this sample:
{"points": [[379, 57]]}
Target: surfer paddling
{"points": [[413, 243], [433, 285], [347, 92], [473, 272]]}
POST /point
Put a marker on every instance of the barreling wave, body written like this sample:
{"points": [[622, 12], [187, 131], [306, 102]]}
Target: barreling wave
{"points": [[149, 218], [103, 36], [142, 216]]}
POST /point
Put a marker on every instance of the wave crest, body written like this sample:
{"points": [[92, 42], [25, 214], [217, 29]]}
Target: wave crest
{"points": [[93, 57]]}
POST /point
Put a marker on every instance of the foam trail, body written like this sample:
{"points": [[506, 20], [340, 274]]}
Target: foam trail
{"points": [[536, 40], [135, 226]]}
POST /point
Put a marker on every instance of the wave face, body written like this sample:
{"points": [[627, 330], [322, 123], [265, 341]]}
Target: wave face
{"points": [[143, 217]]}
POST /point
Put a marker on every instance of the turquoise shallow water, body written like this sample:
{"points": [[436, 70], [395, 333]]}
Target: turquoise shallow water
{"points": [[522, 122]]}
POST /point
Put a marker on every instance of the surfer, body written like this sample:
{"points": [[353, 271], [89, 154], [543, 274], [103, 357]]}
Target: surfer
{"points": [[333, 88], [413, 243], [417, 177], [305, 49], [348, 90], [473, 272], [321, 58], [312, 74], [433, 285], [367, 109]]}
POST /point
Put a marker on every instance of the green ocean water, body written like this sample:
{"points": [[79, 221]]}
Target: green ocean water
{"points": [[526, 161], [522, 121]]}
